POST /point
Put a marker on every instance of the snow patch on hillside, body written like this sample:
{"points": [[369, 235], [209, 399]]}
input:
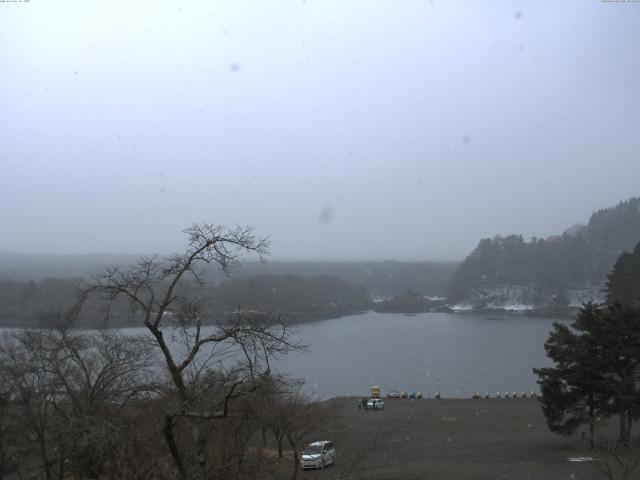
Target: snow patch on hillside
{"points": [[462, 307], [523, 297]]}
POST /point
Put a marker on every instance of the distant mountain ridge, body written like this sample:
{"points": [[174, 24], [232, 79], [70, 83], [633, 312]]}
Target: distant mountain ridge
{"points": [[381, 278], [36, 267], [563, 270]]}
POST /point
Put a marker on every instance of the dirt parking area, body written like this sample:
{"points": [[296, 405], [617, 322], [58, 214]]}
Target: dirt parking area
{"points": [[450, 439]]}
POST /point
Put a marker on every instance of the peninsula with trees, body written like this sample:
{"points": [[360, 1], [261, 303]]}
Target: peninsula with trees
{"points": [[554, 275]]}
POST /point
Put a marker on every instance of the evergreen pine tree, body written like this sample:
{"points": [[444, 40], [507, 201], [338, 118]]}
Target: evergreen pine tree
{"points": [[596, 372], [574, 391], [623, 285]]}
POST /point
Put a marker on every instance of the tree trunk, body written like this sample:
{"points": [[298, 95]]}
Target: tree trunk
{"points": [[296, 464], [201, 450], [592, 426], [61, 466], [264, 437], [279, 437], [624, 429], [45, 460], [167, 431]]}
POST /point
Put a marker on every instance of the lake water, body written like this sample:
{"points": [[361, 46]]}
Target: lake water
{"points": [[455, 354]]}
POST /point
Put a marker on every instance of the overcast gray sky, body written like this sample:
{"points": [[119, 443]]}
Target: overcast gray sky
{"points": [[342, 129]]}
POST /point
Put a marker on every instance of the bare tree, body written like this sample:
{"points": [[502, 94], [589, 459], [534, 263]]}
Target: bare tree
{"points": [[167, 296], [182, 401], [65, 392], [31, 391], [6, 464]]}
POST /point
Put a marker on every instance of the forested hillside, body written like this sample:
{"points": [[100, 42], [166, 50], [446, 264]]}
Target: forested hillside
{"points": [[550, 268], [297, 298], [383, 278], [34, 288], [300, 298]]}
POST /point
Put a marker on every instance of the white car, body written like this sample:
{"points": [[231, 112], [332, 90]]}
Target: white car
{"points": [[318, 455], [375, 404]]}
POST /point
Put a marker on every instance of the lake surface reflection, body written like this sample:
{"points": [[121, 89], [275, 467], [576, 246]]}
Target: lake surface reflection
{"points": [[455, 354]]}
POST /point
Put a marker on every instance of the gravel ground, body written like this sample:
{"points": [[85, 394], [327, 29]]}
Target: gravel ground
{"points": [[450, 439]]}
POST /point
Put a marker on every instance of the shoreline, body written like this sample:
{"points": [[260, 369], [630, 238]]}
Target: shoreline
{"points": [[297, 318]]}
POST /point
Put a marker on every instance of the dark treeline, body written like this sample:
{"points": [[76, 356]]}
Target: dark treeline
{"points": [[298, 298], [623, 283], [381, 278], [411, 302], [31, 303], [580, 257], [301, 290], [26, 267]]}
